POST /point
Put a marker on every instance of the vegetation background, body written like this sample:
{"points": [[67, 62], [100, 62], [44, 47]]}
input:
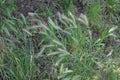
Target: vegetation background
{"points": [[59, 39]]}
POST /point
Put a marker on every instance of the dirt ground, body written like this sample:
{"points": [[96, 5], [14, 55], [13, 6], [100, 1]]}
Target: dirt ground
{"points": [[26, 6]]}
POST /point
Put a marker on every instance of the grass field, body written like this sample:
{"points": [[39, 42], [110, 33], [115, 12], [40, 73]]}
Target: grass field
{"points": [[59, 40]]}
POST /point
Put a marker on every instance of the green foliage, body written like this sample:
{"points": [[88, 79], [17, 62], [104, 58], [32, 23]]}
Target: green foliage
{"points": [[93, 11], [66, 5], [71, 47], [7, 21]]}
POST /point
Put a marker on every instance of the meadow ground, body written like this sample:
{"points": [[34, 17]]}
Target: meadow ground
{"points": [[59, 40]]}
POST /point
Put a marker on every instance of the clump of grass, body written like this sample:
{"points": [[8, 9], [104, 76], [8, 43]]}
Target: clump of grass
{"points": [[77, 50], [70, 47], [66, 5]]}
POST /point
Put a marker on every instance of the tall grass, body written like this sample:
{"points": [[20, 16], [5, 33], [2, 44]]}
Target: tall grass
{"points": [[67, 48]]}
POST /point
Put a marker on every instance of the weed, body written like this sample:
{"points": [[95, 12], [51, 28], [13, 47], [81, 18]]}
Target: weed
{"points": [[68, 47]]}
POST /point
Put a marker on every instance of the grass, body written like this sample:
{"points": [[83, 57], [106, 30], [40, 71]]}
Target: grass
{"points": [[67, 47]]}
